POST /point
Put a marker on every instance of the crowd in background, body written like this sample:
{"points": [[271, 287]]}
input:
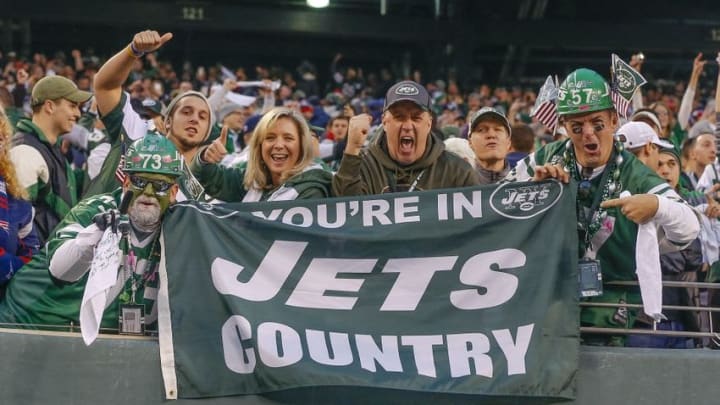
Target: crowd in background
{"points": [[683, 113], [351, 89]]}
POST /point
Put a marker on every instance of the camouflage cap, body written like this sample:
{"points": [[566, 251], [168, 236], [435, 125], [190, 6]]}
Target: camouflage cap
{"points": [[57, 87]]}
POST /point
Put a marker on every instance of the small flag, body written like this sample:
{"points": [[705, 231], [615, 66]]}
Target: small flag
{"points": [[625, 82], [545, 106], [119, 173], [621, 104]]}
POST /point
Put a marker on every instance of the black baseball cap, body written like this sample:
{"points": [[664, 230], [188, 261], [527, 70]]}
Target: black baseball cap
{"points": [[408, 90], [152, 105]]}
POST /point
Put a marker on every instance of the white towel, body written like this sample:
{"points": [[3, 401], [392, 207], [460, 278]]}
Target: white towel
{"points": [[647, 262], [103, 276], [649, 274]]}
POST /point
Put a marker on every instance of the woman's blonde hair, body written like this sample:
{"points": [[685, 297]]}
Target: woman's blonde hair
{"points": [[7, 169], [257, 173]]}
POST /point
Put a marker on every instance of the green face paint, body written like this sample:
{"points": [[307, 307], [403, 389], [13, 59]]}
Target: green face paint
{"points": [[153, 185]]}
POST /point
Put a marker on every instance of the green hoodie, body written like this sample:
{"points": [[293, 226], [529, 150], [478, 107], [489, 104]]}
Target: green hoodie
{"points": [[375, 172], [227, 184]]}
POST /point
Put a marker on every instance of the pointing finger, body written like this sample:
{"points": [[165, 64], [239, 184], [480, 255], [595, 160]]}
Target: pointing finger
{"points": [[615, 202]]}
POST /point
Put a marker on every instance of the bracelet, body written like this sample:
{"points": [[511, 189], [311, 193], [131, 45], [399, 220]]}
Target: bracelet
{"points": [[132, 51]]}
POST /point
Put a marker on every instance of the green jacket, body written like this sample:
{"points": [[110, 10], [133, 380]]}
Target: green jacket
{"points": [[226, 184], [375, 172]]}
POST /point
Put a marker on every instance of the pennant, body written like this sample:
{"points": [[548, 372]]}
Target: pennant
{"points": [[625, 82]]}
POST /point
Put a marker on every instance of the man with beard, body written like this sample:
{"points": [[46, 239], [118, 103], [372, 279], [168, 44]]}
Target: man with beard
{"points": [[608, 226], [188, 118], [37, 297], [406, 155]]}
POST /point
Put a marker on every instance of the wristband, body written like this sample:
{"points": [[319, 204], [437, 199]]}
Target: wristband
{"points": [[132, 51]]}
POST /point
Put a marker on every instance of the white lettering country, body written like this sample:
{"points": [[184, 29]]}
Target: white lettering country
{"points": [[464, 354]]}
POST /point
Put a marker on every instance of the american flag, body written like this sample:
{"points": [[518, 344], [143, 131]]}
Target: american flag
{"points": [[546, 114], [119, 173], [621, 104], [545, 106]]}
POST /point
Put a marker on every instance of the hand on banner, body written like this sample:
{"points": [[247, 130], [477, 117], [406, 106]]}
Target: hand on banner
{"points": [[149, 41], [358, 130], [551, 171], [638, 208], [216, 151]]}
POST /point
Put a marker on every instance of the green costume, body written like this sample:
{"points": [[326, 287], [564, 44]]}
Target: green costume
{"points": [[611, 237], [49, 290]]}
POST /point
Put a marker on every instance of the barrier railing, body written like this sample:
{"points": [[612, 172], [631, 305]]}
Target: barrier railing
{"points": [[654, 330]]}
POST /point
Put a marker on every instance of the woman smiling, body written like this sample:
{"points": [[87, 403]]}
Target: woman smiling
{"points": [[281, 164]]}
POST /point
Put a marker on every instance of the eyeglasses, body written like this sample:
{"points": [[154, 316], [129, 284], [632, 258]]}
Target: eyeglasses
{"points": [[160, 186]]}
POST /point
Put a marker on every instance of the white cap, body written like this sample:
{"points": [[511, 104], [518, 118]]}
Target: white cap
{"points": [[635, 134]]}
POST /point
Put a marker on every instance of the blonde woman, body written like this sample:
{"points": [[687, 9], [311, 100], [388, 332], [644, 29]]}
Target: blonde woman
{"points": [[18, 241], [280, 165]]}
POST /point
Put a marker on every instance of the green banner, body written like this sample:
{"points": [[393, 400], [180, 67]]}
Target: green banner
{"points": [[463, 291]]}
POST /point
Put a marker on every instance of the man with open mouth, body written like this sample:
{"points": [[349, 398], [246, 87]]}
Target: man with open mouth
{"points": [[608, 226], [405, 156]]}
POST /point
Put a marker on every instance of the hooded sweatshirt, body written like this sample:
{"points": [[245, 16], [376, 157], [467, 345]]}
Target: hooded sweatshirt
{"points": [[375, 172]]}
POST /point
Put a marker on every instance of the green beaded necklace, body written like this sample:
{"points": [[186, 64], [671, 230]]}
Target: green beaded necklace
{"points": [[609, 189]]}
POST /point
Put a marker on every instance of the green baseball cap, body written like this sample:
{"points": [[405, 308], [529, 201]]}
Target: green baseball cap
{"points": [[57, 87]]}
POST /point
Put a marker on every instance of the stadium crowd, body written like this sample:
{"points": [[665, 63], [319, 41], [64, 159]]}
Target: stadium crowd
{"points": [[74, 128]]}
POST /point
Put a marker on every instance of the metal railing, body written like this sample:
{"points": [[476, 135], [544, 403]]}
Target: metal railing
{"points": [[75, 328], [654, 330]]}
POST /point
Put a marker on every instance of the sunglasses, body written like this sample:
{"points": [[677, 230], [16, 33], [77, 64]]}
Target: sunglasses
{"points": [[160, 186]]}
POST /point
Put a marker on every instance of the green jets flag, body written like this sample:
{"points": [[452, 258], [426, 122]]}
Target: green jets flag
{"points": [[443, 296]]}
